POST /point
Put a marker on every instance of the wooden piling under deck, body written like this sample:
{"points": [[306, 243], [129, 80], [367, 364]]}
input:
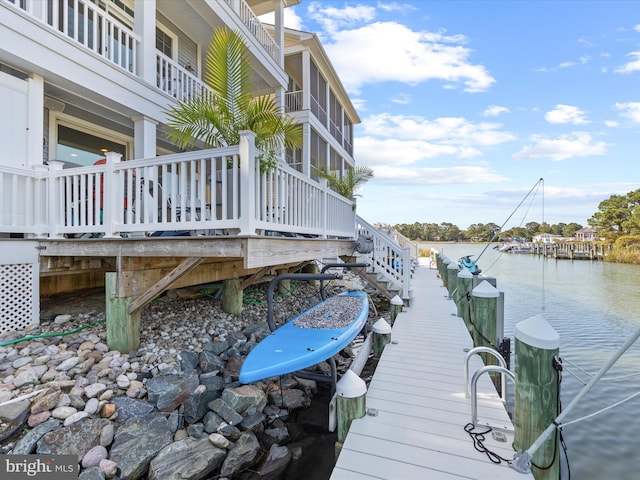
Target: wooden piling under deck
{"points": [[417, 408]]}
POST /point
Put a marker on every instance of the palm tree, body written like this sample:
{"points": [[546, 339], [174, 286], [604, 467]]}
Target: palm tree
{"points": [[217, 117], [348, 184]]}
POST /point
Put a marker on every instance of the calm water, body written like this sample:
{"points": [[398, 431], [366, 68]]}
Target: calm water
{"points": [[595, 307]]}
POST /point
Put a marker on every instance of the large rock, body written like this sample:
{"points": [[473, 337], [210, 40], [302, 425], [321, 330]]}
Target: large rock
{"points": [[137, 442], [246, 397], [223, 409], [168, 392], [275, 463], [129, 408], [196, 406], [77, 438], [15, 411], [188, 459], [210, 362], [242, 456], [290, 398], [27, 444]]}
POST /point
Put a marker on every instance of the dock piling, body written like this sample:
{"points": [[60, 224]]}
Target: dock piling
{"points": [[537, 393]]}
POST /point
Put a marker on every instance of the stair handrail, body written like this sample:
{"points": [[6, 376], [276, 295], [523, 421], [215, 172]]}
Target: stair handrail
{"points": [[388, 258]]}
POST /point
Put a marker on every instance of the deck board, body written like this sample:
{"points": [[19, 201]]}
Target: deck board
{"points": [[418, 393]]}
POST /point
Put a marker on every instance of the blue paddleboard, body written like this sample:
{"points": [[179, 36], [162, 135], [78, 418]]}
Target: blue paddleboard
{"points": [[308, 339]]}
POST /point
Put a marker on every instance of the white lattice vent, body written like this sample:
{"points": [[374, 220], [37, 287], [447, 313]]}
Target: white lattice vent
{"points": [[16, 296]]}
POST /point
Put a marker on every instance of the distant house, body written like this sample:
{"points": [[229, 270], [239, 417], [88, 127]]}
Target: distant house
{"points": [[546, 238], [586, 234]]}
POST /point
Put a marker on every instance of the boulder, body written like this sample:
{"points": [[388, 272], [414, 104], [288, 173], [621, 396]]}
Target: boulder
{"points": [[244, 398], [137, 442], [243, 455], [169, 391], [188, 459], [76, 439]]}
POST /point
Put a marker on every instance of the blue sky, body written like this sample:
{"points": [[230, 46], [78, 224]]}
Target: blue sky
{"points": [[466, 104]]}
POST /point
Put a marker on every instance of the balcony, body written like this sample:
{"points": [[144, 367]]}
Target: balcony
{"points": [[205, 192], [99, 32]]}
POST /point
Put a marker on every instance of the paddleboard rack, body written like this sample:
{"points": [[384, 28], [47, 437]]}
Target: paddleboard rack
{"points": [[327, 266], [332, 378]]}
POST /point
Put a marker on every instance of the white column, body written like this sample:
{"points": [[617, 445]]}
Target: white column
{"points": [[145, 26], [306, 149], [35, 120], [279, 30], [247, 183], [144, 137], [306, 80]]}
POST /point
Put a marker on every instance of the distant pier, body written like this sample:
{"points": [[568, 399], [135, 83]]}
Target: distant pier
{"points": [[570, 250]]}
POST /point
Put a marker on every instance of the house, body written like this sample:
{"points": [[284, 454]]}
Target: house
{"points": [[93, 191], [586, 234], [546, 238]]}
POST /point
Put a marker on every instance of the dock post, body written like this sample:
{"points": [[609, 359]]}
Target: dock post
{"points": [[350, 402], [452, 276], [123, 328], [443, 272], [381, 336], [485, 317], [465, 285], [396, 307], [232, 296], [537, 392]]}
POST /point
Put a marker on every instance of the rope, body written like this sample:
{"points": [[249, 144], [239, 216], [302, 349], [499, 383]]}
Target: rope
{"points": [[478, 443], [602, 410]]}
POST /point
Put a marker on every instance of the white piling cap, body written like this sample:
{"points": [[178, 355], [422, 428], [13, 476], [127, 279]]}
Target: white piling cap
{"points": [[538, 333], [396, 300], [485, 290], [453, 266], [381, 326], [446, 260], [351, 386], [464, 273]]}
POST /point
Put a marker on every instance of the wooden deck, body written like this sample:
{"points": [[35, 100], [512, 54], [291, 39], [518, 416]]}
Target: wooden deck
{"points": [[418, 392]]}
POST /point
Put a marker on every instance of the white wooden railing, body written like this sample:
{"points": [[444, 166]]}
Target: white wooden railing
{"points": [[388, 259], [254, 26], [177, 81], [206, 192], [89, 25], [414, 248]]}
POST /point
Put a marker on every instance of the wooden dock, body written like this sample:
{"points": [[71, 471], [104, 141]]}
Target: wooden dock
{"points": [[417, 408]]}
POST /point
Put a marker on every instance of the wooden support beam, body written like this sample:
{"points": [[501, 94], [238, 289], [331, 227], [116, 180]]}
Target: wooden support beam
{"points": [[232, 293], [123, 328], [185, 267], [256, 277]]}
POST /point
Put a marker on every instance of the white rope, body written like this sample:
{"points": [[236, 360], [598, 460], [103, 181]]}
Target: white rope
{"points": [[565, 424]]}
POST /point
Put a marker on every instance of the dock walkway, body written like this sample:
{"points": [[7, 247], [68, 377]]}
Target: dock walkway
{"points": [[418, 393]]}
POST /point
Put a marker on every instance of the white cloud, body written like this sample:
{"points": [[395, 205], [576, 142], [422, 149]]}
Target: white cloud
{"points": [[630, 110], [494, 111], [611, 123], [402, 99], [632, 66], [391, 151], [456, 175], [576, 144], [637, 28], [332, 19], [445, 130], [390, 52], [566, 114]]}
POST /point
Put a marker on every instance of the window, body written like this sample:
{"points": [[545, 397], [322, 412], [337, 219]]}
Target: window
{"points": [[78, 143], [164, 43], [77, 148]]}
